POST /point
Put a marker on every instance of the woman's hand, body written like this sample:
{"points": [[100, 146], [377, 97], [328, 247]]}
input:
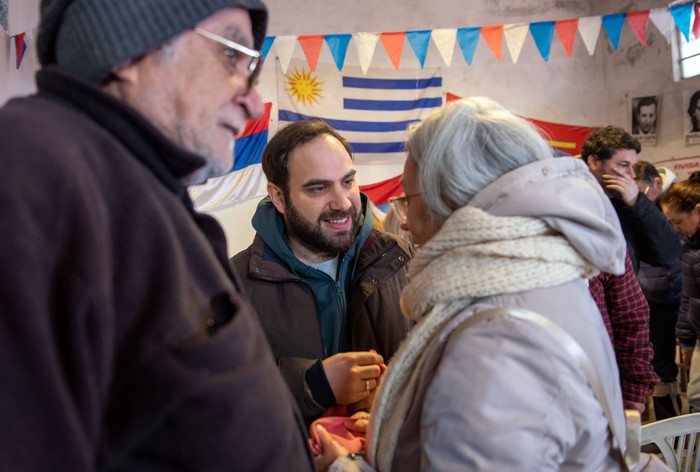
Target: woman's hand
{"points": [[358, 422], [330, 450]]}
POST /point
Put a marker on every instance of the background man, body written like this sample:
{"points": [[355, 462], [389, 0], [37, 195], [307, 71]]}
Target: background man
{"points": [[324, 282], [626, 317], [611, 154], [126, 341], [662, 289], [645, 116]]}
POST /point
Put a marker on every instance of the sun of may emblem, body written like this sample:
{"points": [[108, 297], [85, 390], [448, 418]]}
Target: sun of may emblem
{"points": [[304, 87]]}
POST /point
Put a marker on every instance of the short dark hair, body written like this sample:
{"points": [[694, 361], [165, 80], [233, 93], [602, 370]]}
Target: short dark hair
{"points": [[275, 158], [645, 171], [645, 102], [604, 143]]}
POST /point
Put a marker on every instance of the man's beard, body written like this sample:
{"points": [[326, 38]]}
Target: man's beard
{"points": [[311, 234]]}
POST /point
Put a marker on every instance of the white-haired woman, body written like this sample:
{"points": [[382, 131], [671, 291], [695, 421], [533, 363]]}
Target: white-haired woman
{"points": [[498, 223]]}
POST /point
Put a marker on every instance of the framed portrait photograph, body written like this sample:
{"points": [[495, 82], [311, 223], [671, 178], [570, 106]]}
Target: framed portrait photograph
{"points": [[691, 101], [645, 118]]}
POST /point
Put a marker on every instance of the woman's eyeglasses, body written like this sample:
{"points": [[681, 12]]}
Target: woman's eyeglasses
{"points": [[400, 205]]}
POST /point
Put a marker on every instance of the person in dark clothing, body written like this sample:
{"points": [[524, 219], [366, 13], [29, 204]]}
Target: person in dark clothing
{"points": [[662, 289], [127, 342], [325, 283], [681, 205], [611, 154]]}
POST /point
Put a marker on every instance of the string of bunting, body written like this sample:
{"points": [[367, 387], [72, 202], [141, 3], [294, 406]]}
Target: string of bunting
{"points": [[444, 39], [542, 32]]}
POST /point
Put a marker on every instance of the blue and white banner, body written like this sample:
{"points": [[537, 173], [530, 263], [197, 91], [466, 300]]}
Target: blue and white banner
{"points": [[372, 111]]}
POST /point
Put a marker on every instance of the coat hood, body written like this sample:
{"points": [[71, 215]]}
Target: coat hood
{"points": [[563, 193]]}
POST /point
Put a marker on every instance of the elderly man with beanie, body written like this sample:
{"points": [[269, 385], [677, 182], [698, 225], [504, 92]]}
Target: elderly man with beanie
{"points": [[127, 343]]}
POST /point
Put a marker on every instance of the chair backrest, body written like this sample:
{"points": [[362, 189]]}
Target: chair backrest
{"points": [[677, 439]]}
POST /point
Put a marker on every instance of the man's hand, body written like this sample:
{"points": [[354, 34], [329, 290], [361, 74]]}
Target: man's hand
{"points": [[353, 375], [625, 186], [630, 405]]}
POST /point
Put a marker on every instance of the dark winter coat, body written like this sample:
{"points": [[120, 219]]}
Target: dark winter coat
{"points": [[126, 342], [283, 293], [688, 325], [650, 238]]}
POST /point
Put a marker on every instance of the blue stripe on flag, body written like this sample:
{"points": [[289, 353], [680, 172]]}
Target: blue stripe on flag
{"points": [[348, 125], [369, 148], [391, 105], [249, 150], [391, 84]]}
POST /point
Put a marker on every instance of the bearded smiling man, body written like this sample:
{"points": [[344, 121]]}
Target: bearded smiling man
{"points": [[325, 283]]}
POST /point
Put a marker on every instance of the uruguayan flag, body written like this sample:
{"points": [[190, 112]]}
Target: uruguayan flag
{"points": [[371, 111]]}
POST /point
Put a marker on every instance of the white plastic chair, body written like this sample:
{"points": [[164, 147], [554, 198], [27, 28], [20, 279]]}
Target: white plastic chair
{"points": [[677, 439]]}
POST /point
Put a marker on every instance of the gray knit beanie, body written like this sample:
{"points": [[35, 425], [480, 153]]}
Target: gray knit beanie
{"points": [[88, 38]]}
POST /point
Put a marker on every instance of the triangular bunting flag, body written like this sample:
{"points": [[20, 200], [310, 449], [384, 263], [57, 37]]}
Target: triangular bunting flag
{"points": [[639, 20], [468, 38], [365, 43], [419, 41], [20, 48], [494, 38], [444, 40], [311, 45], [285, 49], [515, 38], [696, 21], [338, 45], [267, 44], [566, 31], [589, 29], [543, 32], [681, 14], [393, 43], [613, 26], [663, 21]]}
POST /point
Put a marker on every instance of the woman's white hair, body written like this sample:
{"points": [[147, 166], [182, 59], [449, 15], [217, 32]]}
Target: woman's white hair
{"points": [[467, 144]]}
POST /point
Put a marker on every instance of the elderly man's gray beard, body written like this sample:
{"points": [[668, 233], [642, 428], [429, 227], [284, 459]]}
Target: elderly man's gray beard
{"points": [[215, 165], [212, 168]]}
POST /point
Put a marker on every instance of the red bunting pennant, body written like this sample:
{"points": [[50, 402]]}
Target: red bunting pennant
{"points": [[20, 47], [566, 32], [638, 21], [494, 38], [393, 43], [311, 45], [696, 23]]}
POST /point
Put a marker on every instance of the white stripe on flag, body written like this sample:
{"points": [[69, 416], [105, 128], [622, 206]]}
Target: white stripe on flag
{"points": [[230, 189], [371, 111]]}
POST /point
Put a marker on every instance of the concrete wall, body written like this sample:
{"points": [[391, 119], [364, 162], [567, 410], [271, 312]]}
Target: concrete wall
{"points": [[584, 90]]}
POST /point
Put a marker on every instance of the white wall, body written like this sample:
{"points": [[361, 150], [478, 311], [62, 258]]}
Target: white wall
{"points": [[585, 90], [23, 16]]}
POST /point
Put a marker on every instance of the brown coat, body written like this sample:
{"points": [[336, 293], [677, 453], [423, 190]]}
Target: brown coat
{"points": [[287, 308]]}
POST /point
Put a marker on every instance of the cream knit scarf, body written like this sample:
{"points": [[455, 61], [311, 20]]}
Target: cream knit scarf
{"points": [[473, 255]]}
